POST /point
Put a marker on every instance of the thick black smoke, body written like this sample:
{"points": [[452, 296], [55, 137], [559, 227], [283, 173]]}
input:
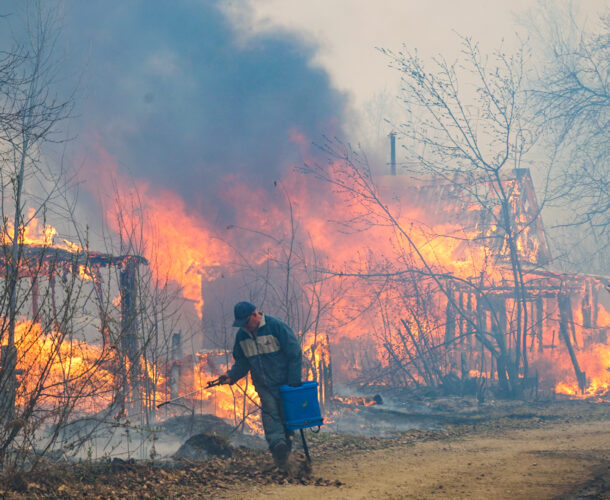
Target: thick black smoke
{"points": [[171, 91]]}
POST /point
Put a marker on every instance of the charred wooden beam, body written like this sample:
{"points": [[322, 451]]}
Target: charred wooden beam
{"points": [[540, 322], [35, 297], [130, 354], [40, 260], [317, 363], [586, 305], [449, 317], [324, 369], [8, 381], [128, 291], [595, 304], [563, 301]]}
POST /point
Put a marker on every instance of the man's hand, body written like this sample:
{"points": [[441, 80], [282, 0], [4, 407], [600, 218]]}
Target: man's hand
{"points": [[224, 379]]}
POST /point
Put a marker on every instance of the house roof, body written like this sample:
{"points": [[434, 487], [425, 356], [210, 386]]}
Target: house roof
{"points": [[474, 205]]}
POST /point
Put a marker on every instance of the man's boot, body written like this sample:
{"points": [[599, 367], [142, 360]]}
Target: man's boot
{"points": [[280, 452]]}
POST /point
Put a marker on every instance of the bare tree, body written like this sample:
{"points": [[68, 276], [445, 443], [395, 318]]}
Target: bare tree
{"points": [[157, 312], [48, 369], [29, 115], [289, 281], [572, 99], [469, 125], [286, 282]]}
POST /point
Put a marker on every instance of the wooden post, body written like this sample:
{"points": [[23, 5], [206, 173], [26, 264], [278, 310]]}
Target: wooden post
{"points": [[469, 332], [325, 370], [540, 322], [499, 329], [462, 321], [129, 339], [586, 305], [449, 317], [564, 311], [571, 320], [594, 305], [104, 319], [481, 322], [35, 295], [471, 316], [500, 306], [534, 326], [8, 382], [464, 366]]}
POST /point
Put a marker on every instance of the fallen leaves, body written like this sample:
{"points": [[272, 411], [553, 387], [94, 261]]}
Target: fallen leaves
{"points": [[250, 468], [174, 479]]}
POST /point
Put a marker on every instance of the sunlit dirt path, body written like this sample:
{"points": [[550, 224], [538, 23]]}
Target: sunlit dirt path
{"points": [[565, 460]]}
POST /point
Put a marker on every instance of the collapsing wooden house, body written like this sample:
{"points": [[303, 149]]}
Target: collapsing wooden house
{"points": [[512, 308], [37, 262]]}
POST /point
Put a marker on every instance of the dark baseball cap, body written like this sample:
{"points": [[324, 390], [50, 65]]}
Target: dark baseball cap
{"points": [[242, 311]]}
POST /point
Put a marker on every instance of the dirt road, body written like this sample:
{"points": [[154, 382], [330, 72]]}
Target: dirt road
{"points": [[567, 459], [498, 450]]}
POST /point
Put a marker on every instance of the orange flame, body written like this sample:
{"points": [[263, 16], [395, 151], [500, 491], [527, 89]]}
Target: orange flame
{"points": [[57, 371], [33, 233], [596, 362], [187, 248]]}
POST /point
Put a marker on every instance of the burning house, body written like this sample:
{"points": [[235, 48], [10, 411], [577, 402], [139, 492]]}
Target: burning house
{"points": [[472, 315], [448, 307], [507, 309], [480, 305], [41, 358], [438, 300]]}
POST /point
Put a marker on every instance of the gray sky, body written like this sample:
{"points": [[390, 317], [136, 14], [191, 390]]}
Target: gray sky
{"points": [[348, 31]]}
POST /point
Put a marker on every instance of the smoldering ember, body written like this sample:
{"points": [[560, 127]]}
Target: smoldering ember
{"points": [[184, 209]]}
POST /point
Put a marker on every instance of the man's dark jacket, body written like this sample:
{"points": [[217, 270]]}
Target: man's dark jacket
{"points": [[273, 355]]}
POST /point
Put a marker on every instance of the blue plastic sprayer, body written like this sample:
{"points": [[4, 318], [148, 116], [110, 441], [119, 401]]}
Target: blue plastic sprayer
{"points": [[301, 408]]}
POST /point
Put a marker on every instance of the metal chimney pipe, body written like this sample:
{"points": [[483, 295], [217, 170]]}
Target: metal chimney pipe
{"points": [[392, 153]]}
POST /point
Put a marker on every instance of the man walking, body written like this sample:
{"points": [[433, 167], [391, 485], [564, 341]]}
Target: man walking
{"points": [[268, 349]]}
